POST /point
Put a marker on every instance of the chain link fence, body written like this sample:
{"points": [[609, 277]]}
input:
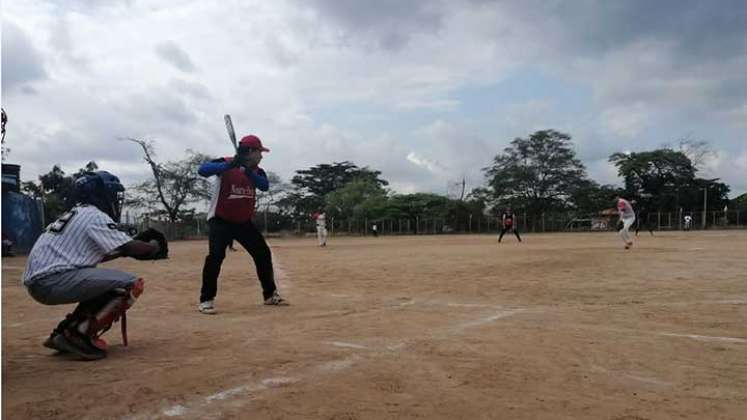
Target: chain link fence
{"points": [[546, 222]]}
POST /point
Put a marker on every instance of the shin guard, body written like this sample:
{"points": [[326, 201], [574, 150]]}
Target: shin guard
{"points": [[102, 312]]}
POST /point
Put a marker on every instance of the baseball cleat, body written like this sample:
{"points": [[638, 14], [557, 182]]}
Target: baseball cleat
{"points": [[276, 300], [207, 307], [49, 343], [74, 342]]}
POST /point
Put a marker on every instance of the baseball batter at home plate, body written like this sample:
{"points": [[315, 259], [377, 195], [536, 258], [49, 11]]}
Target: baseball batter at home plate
{"points": [[230, 218]]}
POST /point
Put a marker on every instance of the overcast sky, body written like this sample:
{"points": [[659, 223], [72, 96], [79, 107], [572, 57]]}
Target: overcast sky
{"points": [[425, 91]]}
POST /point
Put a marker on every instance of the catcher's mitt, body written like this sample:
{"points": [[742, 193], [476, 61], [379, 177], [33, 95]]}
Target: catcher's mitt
{"points": [[151, 234]]}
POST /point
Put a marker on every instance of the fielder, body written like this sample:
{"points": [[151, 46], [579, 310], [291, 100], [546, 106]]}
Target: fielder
{"points": [[321, 227], [627, 218], [641, 220], [507, 223], [688, 222], [61, 268], [230, 217]]}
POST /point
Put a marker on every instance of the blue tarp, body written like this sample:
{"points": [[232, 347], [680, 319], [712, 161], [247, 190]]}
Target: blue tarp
{"points": [[22, 220]]}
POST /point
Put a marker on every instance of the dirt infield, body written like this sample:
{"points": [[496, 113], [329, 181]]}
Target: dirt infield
{"points": [[562, 326]]}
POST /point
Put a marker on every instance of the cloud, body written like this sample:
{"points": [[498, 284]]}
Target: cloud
{"points": [[173, 54], [22, 62], [625, 121], [385, 24], [431, 165], [372, 82]]}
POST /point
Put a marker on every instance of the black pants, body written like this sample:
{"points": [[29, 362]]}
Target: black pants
{"points": [[223, 233], [642, 222], [506, 229]]}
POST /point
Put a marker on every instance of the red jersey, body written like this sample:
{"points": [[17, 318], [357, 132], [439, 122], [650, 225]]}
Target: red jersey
{"points": [[235, 198]]}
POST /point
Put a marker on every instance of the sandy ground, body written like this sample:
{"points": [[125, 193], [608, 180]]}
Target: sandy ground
{"points": [[562, 326]]}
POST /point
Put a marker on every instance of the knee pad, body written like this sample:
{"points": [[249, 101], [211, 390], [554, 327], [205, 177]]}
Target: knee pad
{"points": [[97, 315]]}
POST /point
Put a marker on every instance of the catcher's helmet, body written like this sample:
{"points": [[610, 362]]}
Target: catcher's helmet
{"points": [[102, 190]]}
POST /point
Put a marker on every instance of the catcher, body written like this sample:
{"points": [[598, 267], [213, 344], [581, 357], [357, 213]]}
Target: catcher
{"points": [[61, 267]]}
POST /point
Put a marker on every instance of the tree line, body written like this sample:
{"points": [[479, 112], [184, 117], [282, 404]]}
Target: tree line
{"points": [[537, 174]]}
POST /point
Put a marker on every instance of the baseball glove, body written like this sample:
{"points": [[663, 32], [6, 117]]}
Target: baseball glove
{"points": [[151, 234]]}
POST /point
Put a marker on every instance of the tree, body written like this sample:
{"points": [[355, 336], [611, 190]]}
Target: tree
{"points": [[174, 184], [698, 151], [313, 184], [664, 180], [659, 177], [269, 204], [739, 203], [358, 199], [589, 197], [55, 189], [537, 173]]}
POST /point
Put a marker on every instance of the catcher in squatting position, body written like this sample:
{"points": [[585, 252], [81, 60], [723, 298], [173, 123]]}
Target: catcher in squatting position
{"points": [[61, 267], [230, 217]]}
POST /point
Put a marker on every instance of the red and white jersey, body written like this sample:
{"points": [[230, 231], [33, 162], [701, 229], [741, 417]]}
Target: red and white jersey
{"points": [[321, 220], [625, 208], [79, 238], [234, 196]]}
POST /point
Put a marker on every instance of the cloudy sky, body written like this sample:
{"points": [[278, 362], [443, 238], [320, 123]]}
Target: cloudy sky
{"points": [[425, 91]]}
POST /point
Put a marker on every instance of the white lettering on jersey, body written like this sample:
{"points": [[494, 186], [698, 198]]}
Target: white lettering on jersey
{"points": [[239, 192]]}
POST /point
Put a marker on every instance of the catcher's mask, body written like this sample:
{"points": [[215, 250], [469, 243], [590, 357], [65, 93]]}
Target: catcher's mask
{"points": [[102, 190]]}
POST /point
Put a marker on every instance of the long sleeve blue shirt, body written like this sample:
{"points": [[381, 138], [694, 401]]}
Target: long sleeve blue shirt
{"points": [[218, 166]]}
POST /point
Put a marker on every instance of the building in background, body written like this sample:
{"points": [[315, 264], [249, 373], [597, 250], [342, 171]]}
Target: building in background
{"points": [[23, 216]]}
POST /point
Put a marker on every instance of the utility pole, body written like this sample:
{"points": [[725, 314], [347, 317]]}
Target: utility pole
{"points": [[705, 204]]}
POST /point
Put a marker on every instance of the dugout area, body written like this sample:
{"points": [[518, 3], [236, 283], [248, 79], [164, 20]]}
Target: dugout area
{"points": [[561, 326]]}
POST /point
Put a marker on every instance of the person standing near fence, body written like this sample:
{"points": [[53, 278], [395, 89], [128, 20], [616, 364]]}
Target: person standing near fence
{"points": [[508, 219], [627, 218], [688, 222], [321, 227], [641, 220], [230, 218]]}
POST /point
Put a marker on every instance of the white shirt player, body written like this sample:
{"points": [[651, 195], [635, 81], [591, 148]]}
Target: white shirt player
{"points": [[625, 208], [80, 238], [321, 221]]}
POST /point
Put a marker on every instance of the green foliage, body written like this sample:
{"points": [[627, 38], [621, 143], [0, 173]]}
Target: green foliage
{"points": [[664, 180], [176, 185], [739, 203], [358, 199], [538, 173], [55, 189], [314, 184], [589, 197]]}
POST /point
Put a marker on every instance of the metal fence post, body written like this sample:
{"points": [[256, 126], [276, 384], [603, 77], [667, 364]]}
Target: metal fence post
{"points": [[543, 222], [679, 220]]}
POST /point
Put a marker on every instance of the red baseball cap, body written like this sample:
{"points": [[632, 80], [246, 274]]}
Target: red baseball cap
{"points": [[252, 142]]}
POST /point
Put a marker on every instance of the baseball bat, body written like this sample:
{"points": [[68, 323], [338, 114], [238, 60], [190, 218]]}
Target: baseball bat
{"points": [[231, 132]]}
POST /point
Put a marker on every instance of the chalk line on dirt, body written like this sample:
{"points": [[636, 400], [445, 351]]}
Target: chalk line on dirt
{"points": [[706, 337]]}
